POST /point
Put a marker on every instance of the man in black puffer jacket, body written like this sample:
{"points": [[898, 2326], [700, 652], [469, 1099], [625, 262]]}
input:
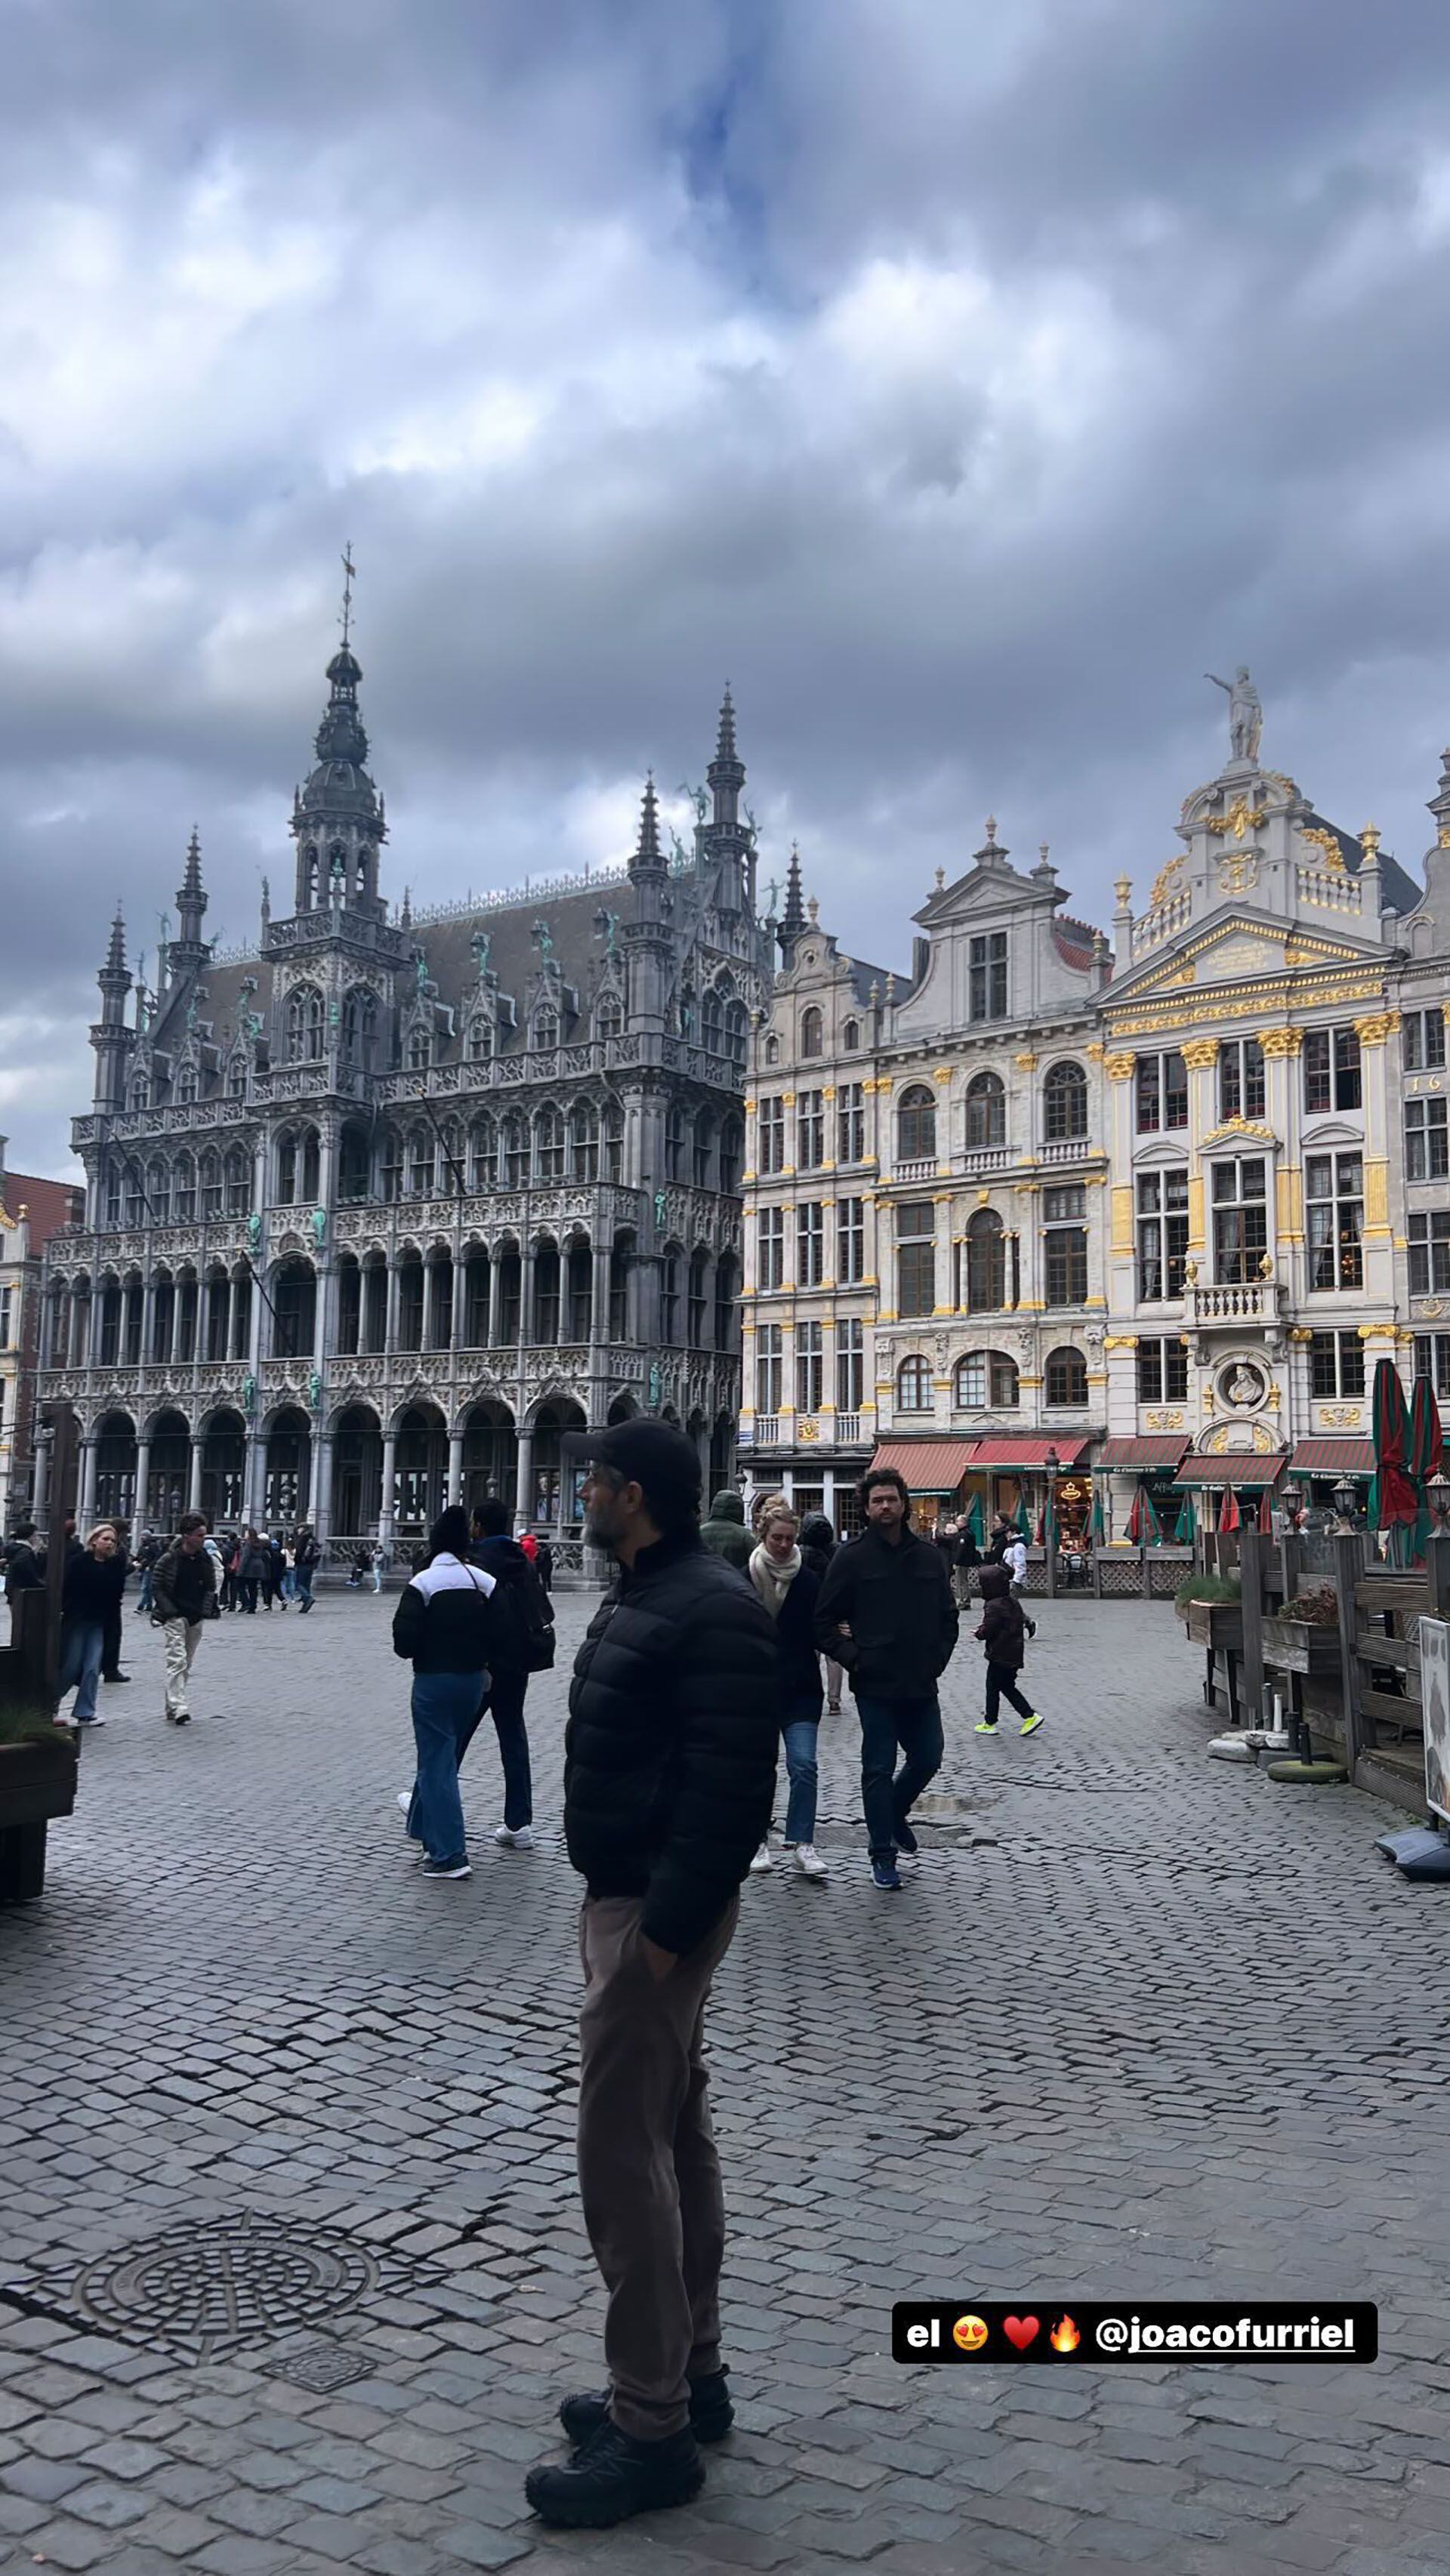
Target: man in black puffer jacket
{"points": [[669, 1769]]}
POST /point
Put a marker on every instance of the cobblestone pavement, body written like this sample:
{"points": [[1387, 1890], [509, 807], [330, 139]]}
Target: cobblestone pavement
{"points": [[1140, 2025]]}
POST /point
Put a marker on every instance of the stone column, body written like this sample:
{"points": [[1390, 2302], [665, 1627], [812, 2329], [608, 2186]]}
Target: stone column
{"points": [[455, 1466], [1201, 1057], [254, 1477], [526, 1294], [1283, 1111], [390, 1331], [86, 1483], [386, 1506], [148, 1318], [599, 1314], [460, 1299], [143, 1475], [193, 1482], [525, 1501], [1372, 1033], [320, 1504]]}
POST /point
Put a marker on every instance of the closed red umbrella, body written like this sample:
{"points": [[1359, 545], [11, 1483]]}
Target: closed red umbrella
{"points": [[1228, 1510], [1426, 1457], [1266, 1517], [1133, 1526], [1393, 1501]]}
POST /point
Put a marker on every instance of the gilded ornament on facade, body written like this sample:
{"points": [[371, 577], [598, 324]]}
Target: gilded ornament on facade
{"points": [[1328, 842], [1372, 1032], [1163, 883], [1238, 870], [1281, 1042], [1119, 1068], [1240, 819], [1200, 1053]]}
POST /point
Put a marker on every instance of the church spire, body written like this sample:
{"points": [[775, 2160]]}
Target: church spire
{"points": [[648, 859], [115, 965], [725, 776], [337, 819], [793, 919], [111, 1040], [189, 947]]}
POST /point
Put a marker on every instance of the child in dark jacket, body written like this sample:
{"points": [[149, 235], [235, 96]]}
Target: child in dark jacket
{"points": [[1004, 1633]]}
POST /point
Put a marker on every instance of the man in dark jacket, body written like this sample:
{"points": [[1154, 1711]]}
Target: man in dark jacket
{"points": [[445, 1626], [524, 1645], [23, 1572], [111, 1648], [669, 1769], [725, 1533], [306, 1557], [886, 1612], [183, 1594]]}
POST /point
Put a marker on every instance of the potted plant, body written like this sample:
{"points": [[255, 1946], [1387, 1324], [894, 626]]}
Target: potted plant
{"points": [[1305, 1636], [1211, 1608]]}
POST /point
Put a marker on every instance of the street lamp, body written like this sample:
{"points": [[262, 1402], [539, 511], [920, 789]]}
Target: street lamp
{"points": [[1346, 1500]]}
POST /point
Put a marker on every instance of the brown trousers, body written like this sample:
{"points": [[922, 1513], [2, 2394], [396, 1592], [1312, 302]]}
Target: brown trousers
{"points": [[648, 2171]]}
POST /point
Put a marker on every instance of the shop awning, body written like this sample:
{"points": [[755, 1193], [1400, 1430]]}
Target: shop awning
{"points": [[1003, 1451], [1241, 1467], [929, 1466], [1325, 1457], [1162, 1449]]}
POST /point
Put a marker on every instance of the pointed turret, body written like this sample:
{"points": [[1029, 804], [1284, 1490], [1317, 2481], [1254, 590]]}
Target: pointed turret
{"points": [[725, 776], [793, 919], [110, 1037], [188, 949], [337, 820], [648, 859]]}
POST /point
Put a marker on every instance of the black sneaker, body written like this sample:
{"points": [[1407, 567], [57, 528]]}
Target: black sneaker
{"points": [[115, 1677], [711, 2413], [615, 2476], [906, 1840], [447, 1869]]}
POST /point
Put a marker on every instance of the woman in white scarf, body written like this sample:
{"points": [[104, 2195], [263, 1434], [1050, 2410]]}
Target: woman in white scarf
{"points": [[789, 1588]]}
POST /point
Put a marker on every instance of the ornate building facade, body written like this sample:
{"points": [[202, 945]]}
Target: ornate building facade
{"points": [[1042, 1207], [380, 1210]]}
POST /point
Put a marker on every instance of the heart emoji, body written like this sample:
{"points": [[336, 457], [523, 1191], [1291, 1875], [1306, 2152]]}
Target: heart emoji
{"points": [[1020, 2331]]}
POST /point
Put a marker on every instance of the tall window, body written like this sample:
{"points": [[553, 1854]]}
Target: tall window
{"points": [[675, 1145], [704, 1149], [304, 1025], [609, 1017], [549, 1145], [850, 1364], [916, 1125], [1065, 1103], [730, 1156], [1162, 1369], [1336, 1364], [546, 1027], [1065, 1378], [1162, 1092], [850, 1123], [768, 1368], [1162, 1234], [850, 1242], [287, 1170], [1422, 1040], [810, 1243], [1427, 1140], [1429, 1238], [1240, 1220], [188, 1083], [697, 1300], [770, 1248], [515, 1154], [238, 1182], [1432, 1360], [480, 1037], [772, 1135], [986, 1378], [113, 1194], [420, 1048], [986, 1263], [913, 1386], [810, 1131], [670, 1294], [851, 1036], [915, 1257], [1334, 1202], [359, 1023], [812, 1032], [810, 1368], [987, 976], [986, 1111], [211, 1185], [184, 1195], [422, 1157], [1241, 1079], [1065, 1246], [712, 1021], [584, 1141], [1331, 1070]]}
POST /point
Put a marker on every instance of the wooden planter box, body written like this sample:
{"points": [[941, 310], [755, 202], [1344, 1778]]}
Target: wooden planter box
{"points": [[1217, 1625], [1301, 1646], [37, 1781]]}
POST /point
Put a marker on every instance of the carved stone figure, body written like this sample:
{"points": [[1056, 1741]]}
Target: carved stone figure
{"points": [[1245, 714], [319, 1226], [1245, 1386], [254, 1235]]}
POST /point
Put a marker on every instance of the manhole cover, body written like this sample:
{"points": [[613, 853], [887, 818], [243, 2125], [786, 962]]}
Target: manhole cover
{"points": [[322, 2367], [209, 2288]]}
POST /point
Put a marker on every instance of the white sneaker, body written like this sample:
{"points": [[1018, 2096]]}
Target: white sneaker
{"points": [[405, 1799], [809, 1862], [762, 1858], [522, 1840]]}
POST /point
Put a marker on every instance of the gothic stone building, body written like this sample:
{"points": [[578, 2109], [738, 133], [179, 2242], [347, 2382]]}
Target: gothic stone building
{"points": [[379, 1212]]}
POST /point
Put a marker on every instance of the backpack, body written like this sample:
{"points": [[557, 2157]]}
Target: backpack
{"points": [[525, 1615]]}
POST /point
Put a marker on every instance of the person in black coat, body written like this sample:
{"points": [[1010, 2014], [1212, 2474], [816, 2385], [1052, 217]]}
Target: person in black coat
{"points": [[669, 1771], [445, 1625], [90, 1597], [111, 1643], [1004, 1631], [525, 1645], [818, 1545], [790, 1587], [886, 1612]]}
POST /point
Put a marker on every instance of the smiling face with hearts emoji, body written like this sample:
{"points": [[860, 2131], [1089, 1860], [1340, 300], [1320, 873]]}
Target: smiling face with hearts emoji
{"points": [[1021, 2331]]}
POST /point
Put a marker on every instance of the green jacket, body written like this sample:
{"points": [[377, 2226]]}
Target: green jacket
{"points": [[725, 1531]]}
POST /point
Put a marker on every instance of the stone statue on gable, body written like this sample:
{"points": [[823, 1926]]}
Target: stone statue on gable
{"points": [[1245, 714]]}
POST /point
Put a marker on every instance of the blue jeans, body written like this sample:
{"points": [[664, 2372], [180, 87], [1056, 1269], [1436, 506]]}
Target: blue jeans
{"points": [[302, 1582], [445, 1712], [81, 1645], [147, 1571], [505, 1705], [800, 1735], [914, 1724]]}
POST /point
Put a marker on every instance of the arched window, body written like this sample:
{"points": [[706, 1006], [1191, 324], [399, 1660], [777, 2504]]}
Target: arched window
{"points": [[480, 1037], [515, 1154], [391, 1166], [737, 1032], [354, 1171], [422, 1156], [983, 1379], [238, 1182], [812, 1032], [211, 1185], [158, 1192], [732, 1154], [359, 1023], [286, 1168], [772, 1049], [913, 1386], [986, 1111], [483, 1155], [851, 1036], [712, 1021], [304, 1025], [986, 1264], [183, 1196], [1066, 1378], [546, 1026], [188, 1084], [704, 1153], [916, 1125], [311, 1164], [139, 1094], [613, 1143], [584, 1142], [237, 1076], [675, 1145], [548, 1146], [1064, 1102], [420, 1047], [609, 1015], [309, 876]]}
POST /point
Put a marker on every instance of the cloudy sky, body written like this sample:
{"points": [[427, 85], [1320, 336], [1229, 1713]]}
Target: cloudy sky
{"points": [[961, 381]]}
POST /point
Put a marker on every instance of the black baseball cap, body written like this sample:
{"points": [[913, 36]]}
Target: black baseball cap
{"points": [[653, 1455]]}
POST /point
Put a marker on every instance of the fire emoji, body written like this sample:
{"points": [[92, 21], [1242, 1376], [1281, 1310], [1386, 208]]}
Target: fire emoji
{"points": [[1064, 2336]]}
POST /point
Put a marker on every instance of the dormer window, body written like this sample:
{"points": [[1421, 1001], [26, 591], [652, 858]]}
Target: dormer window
{"points": [[987, 976], [546, 1027]]}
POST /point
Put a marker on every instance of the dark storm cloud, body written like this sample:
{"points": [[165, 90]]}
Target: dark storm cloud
{"points": [[960, 383]]}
